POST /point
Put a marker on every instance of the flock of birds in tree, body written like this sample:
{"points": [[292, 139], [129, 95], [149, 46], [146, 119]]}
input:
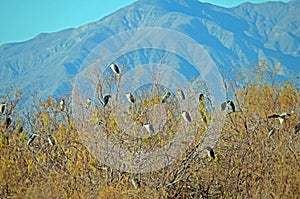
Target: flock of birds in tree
{"points": [[185, 115]]}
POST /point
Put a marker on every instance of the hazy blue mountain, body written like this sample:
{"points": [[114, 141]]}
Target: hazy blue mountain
{"points": [[238, 36]]}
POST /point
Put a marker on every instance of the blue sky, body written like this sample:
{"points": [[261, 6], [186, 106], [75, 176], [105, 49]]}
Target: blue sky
{"points": [[21, 20]]}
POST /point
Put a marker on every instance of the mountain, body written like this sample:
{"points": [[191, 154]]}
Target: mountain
{"points": [[238, 36]]}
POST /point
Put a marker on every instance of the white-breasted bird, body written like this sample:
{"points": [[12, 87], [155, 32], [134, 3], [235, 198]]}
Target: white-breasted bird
{"points": [[31, 138], [100, 122], [88, 103], [165, 97], [2, 108], [210, 152], [181, 94], [62, 105], [149, 128], [130, 98], [106, 99], [281, 117], [228, 104], [136, 183], [186, 116], [51, 140], [115, 69], [297, 128]]}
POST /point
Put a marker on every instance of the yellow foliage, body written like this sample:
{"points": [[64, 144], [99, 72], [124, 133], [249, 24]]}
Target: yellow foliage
{"points": [[248, 163]]}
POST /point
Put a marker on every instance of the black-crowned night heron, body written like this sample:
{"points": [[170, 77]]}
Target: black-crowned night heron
{"points": [[149, 128], [51, 140], [210, 152], [88, 103], [2, 108], [62, 104], [165, 97], [100, 122], [130, 98], [297, 128], [281, 117], [228, 104], [115, 69], [201, 97], [136, 183], [31, 138], [186, 116], [181, 94], [106, 99]]}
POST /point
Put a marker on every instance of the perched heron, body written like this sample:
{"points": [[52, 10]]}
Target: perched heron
{"points": [[228, 104], [181, 94], [106, 99], [51, 140], [136, 183], [88, 103], [210, 152], [62, 104], [297, 128], [165, 97], [31, 138], [115, 69], [186, 116], [281, 117], [201, 97], [2, 108], [100, 122], [130, 98], [149, 128]]}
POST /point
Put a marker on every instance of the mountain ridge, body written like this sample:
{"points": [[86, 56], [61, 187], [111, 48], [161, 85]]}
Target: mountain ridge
{"points": [[232, 36]]}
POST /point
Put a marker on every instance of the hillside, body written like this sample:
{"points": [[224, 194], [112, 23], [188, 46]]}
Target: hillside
{"points": [[235, 38]]}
